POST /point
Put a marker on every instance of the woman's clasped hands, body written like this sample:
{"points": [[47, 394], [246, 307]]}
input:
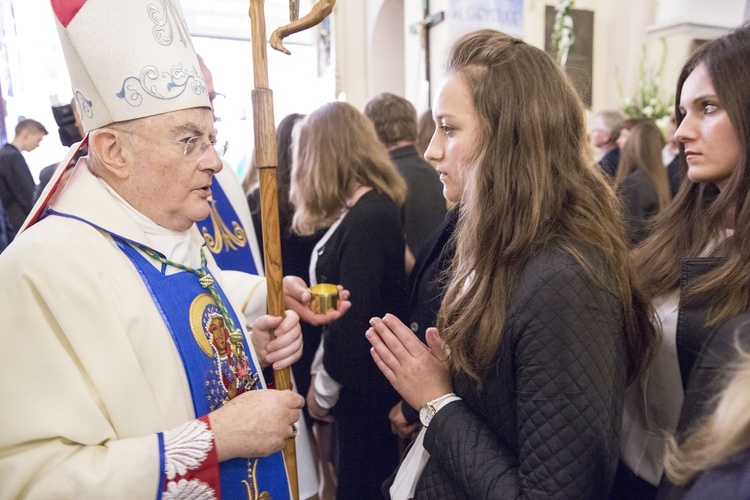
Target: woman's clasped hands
{"points": [[417, 371]]}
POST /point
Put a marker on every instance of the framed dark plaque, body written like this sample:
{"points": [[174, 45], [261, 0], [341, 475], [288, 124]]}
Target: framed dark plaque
{"points": [[579, 64]]}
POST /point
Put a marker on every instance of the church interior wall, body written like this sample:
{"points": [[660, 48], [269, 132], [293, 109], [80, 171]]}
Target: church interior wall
{"points": [[351, 68], [385, 42], [627, 36], [375, 48]]}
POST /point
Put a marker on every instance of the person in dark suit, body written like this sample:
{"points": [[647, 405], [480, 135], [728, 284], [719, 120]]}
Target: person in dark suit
{"points": [[604, 134], [395, 121], [16, 182]]}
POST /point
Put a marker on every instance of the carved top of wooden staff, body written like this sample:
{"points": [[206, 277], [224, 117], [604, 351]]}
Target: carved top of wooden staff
{"points": [[319, 11]]}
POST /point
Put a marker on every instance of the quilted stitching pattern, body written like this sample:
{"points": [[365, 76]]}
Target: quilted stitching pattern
{"points": [[546, 422]]}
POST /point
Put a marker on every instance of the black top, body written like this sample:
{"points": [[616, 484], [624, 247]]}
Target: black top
{"points": [[709, 373], [427, 283], [425, 206], [16, 186], [4, 223], [546, 422], [675, 177], [704, 353], [730, 479], [427, 280], [692, 320], [609, 162], [639, 203], [366, 255]]}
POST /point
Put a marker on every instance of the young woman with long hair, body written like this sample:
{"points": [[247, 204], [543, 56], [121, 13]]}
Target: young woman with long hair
{"points": [[695, 266], [520, 387]]}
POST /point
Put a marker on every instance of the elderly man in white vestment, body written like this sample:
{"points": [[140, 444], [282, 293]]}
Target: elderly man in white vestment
{"points": [[128, 373]]}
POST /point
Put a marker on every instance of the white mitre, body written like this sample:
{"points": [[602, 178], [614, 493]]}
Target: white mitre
{"points": [[128, 59]]}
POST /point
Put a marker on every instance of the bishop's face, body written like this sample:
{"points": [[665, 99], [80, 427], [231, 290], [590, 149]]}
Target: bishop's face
{"points": [[168, 185]]}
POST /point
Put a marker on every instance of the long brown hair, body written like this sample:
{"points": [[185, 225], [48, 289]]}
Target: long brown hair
{"points": [[700, 213], [336, 149], [642, 151], [533, 182]]}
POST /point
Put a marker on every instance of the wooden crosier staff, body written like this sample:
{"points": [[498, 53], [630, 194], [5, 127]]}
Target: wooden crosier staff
{"points": [[266, 162]]}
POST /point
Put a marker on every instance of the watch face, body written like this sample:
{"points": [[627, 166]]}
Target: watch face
{"points": [[425, 415]]}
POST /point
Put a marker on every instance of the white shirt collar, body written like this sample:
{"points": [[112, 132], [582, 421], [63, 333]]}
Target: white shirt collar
{"points": [[177, 246]]}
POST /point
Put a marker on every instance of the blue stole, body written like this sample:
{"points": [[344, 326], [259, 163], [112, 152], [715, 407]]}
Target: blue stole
{"points": [[195, 323], [228, 241]]}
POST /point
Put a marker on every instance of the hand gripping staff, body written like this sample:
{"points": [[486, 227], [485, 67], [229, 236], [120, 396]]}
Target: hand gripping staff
{"points": [[266, 162]]}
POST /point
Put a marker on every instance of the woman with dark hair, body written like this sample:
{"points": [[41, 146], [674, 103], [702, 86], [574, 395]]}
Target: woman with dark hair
{"points": [[695, 266], [641, 180], [520, 386]]}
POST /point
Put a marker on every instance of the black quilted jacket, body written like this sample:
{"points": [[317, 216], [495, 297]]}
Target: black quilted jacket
{"points": [[547, 420]]}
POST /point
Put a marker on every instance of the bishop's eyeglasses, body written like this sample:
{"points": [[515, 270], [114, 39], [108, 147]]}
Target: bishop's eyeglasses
{"points": [[193, 143], [189, 145]]}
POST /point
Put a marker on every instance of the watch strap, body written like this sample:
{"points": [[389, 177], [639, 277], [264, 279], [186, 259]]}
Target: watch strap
{"points": [[430, 409], [431, 404], [444, 401]]}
